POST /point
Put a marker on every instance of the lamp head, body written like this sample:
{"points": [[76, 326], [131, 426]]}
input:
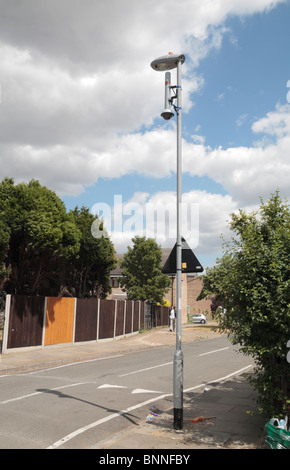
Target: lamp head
{"points": [[167, 62]]}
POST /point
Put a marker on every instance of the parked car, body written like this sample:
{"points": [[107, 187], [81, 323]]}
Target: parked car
{"points": [[198, 318]]}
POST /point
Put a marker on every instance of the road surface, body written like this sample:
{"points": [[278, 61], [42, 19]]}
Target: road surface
{"points": [[78, 405]]}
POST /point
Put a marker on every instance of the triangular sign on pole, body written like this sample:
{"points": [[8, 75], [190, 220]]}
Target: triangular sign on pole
{"points": [[190, 263]]}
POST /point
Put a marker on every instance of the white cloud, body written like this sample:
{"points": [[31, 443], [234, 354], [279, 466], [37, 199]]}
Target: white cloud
{"points": [[77, 89], [209, 215], [93, 35], [275, 123], [79, 73], [245, 172]]}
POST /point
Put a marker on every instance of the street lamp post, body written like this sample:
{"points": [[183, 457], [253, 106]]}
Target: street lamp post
{"points": [[164, 64]]}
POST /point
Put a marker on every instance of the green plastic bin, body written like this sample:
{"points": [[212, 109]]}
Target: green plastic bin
{"points": [[277, 438]]}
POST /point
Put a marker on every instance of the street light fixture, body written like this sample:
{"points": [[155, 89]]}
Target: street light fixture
{"points": [[167, 62], [164, 64]]}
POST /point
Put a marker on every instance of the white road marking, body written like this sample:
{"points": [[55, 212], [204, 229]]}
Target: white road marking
{"points": [[111, 386], [142, 390], [214, 351], [139, 405], [237, 372], [221, 379], [103, 420], [147, 368]]}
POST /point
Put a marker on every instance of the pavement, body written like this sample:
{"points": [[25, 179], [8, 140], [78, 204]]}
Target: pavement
{"points": [[230, 404]]}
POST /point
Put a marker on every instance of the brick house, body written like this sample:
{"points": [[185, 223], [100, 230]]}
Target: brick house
{"points": [[191, 287]]}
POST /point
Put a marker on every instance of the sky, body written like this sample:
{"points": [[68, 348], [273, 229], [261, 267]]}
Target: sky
{"points": [[80, 110]]}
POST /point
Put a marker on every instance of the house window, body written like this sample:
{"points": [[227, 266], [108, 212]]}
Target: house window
{"points": [[115, 283]]}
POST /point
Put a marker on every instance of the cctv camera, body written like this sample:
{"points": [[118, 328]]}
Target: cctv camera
{"points": [[167, 114]]}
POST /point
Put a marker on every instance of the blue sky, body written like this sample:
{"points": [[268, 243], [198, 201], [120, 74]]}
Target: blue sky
{"points": [[245, 79], [80, 106]]}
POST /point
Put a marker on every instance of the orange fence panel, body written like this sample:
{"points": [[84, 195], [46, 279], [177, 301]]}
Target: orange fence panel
{"points": [[59, 320]]}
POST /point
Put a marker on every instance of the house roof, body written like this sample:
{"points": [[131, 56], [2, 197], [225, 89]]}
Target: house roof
{"points": [[118, 271]]}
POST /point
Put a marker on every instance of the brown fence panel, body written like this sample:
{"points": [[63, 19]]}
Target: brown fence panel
{"points": [[158, 315], [86, 320], [128, 324], [59, 320], [27, 315], [120, 317], [136, 316], [164, 316], [26, 321], [106, 321]]}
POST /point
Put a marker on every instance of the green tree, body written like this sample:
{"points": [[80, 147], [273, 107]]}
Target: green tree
{"points": [[252, 281], [142, 272], [39, 237], [45, 250], [90, 270]]}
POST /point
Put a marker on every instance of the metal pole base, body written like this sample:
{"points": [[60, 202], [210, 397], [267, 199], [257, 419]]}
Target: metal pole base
{"points": [[178, 419], [178, 387]]}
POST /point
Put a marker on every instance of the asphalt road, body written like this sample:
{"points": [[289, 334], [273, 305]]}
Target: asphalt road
{"points": [[79, 405]]}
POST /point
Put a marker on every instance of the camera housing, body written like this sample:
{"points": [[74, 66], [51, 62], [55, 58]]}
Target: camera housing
{"points": [[167, 114]]}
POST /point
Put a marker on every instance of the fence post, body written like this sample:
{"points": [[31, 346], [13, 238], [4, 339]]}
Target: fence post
{"points": [[6, 322], [132, 316], [98, 320], [139, 326], [125, 312], [115, 317], [75, 315], [44, 322]]}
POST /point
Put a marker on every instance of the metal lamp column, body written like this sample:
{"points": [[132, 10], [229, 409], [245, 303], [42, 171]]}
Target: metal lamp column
{"points": [[166, 63], [178, 355]]}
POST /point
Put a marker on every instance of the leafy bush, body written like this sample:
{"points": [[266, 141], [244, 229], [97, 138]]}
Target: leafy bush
{"points": [[252, 282]]}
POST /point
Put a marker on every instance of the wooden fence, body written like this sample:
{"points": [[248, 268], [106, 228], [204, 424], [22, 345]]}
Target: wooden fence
{"points": [[39, 322]]}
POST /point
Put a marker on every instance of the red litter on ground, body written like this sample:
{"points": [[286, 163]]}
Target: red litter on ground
{"points": [[199, 419]]}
